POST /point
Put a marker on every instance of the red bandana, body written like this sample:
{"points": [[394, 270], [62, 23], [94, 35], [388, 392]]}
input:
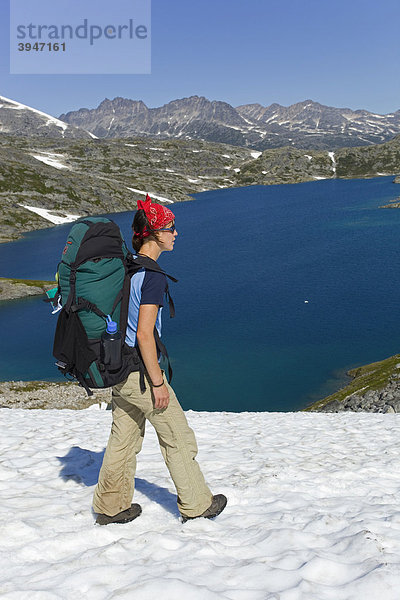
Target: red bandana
{"points": [[157, 215]]}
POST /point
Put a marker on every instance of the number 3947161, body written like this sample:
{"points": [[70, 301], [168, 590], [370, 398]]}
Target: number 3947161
{"points": [[42, 47]]}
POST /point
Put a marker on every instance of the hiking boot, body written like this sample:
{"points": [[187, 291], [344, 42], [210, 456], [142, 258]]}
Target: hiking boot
{"points": [[216, 507], [123, 517]]}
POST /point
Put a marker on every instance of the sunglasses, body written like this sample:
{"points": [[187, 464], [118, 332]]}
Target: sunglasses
{"points": [[170, 229]]}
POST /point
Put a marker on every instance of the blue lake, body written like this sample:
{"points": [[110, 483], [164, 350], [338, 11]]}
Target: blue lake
{"points": [[247, 259]]}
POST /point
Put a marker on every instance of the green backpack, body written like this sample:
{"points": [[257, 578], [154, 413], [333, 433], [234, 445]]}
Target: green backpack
{"points": [[93, 286]]}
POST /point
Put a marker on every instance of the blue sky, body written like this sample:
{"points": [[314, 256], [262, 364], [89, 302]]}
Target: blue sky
{"points": [[340, 53]]}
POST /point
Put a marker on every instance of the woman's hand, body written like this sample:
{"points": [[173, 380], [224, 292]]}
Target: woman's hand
{"points": [[161, 397]]}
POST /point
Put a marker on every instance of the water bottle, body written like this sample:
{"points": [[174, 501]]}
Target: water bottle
{"points": [[111, 346]]}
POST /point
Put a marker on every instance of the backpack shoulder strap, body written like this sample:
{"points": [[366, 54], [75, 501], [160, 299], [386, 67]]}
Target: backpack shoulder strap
{"points": [[137, 261]]}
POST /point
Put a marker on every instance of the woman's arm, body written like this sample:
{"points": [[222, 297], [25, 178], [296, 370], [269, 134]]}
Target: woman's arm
{"points": [[148, 351]]}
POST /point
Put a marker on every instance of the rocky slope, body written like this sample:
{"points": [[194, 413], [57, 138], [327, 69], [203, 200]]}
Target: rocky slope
{"points": [[303, 125], [291, 165], [82, 177], [91, 176], [374, 388], [18, 119]]}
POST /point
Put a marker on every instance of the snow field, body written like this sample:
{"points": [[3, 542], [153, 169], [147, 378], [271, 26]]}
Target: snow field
{"points": [[313, 510]]}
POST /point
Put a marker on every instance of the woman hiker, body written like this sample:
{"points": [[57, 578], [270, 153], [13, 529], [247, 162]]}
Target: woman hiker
{"points": [[153, 233]]}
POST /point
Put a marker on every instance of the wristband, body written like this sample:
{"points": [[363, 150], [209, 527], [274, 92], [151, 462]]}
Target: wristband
{"points": [[159, 385]]}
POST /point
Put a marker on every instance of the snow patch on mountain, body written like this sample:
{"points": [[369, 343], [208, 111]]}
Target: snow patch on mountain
{"points": [[332, 157], [152, 196], [53, 216], [51, 159]]}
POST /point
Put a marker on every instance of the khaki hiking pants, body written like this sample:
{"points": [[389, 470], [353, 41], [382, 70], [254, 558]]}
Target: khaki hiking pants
{"points": [[131, 408]]}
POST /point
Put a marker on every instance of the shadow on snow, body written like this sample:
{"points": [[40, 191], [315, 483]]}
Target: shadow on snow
{"points": [[83, 466]]}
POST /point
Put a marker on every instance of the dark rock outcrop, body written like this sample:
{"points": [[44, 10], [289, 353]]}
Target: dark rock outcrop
{"points": [[386, 400]]}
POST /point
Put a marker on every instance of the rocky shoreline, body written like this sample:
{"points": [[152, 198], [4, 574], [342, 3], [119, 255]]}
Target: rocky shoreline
{"points": [[44, 395], [386, 400], [11, 289], [375, 388]]}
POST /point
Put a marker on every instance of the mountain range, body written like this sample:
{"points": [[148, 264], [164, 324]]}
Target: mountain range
{"points": [[305, 125]]}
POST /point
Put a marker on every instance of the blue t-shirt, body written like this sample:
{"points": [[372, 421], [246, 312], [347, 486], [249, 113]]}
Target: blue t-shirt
{"points": [[147, 287]]}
